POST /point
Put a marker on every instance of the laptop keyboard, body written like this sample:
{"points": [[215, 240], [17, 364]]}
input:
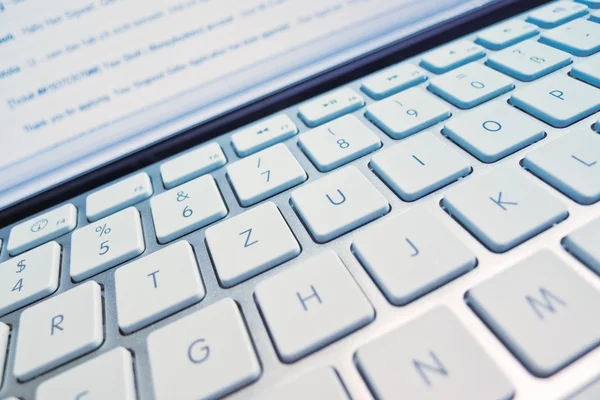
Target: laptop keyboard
{"points": [[430, 231]]}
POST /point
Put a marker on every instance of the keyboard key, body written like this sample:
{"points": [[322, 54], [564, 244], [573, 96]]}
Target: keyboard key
{"points": [[156, 286], [506, 34], [338, 203], [588, 71], [452, 56], [207, 354], [107, 376], [263, 134], [42, 228], [471, 85], [311, 305], [250, 243], [581, 38], [494, 131], [187, 208], [571, 164], [192, 164], [118, 196], [29, 277], [558, 100], [544, 315], [583, 243], [591, 391], [4, 335], [411, 255], [322, 383], [556, 14], [503, 208], [407, 112], [419, 165], [529, 60], [595, 16], [330, 106], [265, 174], [58, 330], [431, 357], [590, 3], [338, 142], [393, 80], [106, 243]]}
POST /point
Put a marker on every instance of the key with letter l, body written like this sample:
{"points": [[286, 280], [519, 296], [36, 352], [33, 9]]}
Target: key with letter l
{"points": [[107, 376], [58, 330], [558, 100], [503, 208], [311, 305], [156, 286], [338, 203], [431, 357], [544, 313], [205, 355]]}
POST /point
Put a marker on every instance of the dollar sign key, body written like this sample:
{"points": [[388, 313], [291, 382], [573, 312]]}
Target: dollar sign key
{"points": [[21, 266]]}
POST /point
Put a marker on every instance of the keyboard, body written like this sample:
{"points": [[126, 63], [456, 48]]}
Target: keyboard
{"points": [[429, 231]]}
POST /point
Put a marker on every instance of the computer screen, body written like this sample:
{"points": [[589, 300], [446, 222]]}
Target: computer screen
{"points": [[85, 82]]}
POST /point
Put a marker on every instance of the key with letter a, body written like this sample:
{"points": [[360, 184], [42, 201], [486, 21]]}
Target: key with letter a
{"points": [[546, 312], [431, 357]]}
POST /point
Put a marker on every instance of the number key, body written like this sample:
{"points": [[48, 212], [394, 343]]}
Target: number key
{"points": [[186, 208], [338, 142], [29, 277], [106, 243]]}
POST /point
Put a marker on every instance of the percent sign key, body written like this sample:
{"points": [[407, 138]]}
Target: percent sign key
{"points": [[103, 230]]}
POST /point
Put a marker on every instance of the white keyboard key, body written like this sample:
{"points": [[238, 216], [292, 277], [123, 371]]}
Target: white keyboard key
{"points": [[106, 243], [410, 255], [338, 142], [504, 208], [452, 56], [588, 71], [330, 106], [392, 80], [595, 16], [338, 203], [407, 112], [4, 335], [591, 390], [311, 305], [107, 376], [205, 355], [118, 196], [431, 357], [265, 174], [580, 38], [29, 277], [186, 208], [156, 286], [493, 131], [58, 330], [471, 85], [583, 243], [42, 228], [419, 165], [557, 13], [590, 3], [506, 34], [558, 100], [192, 164], [571, 164], [322, 383], [263, 134], [529, 60], [541, 310], [250, 243]]}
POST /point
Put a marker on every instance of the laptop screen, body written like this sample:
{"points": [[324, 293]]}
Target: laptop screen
{"points": [[85, 82]]}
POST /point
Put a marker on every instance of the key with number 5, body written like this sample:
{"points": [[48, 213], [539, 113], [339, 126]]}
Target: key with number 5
{"points": [[106, 243]]}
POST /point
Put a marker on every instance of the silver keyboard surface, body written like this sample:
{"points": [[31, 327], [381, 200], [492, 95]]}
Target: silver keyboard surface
{"points": [[429, 231]]}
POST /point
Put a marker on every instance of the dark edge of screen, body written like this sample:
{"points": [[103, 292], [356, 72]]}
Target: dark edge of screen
{"points": [[323, 82]]}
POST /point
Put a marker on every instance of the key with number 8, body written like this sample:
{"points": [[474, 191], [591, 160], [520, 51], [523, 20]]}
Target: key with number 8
{"points": [[186, 208], [106, 243]]}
